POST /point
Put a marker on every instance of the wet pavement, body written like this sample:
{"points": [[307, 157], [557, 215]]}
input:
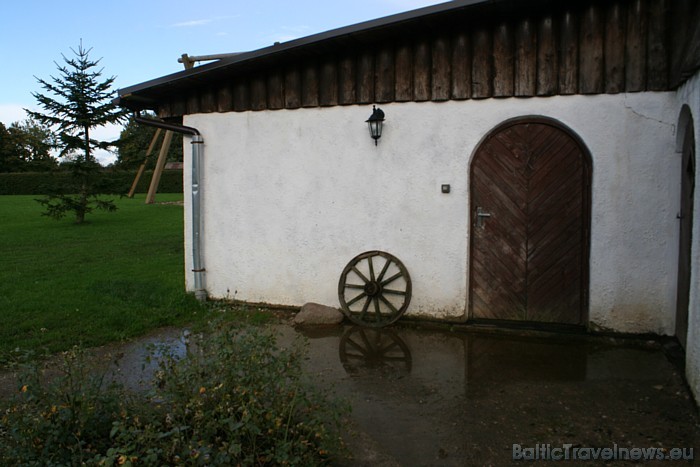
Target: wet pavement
{"points": [[424, 397]]}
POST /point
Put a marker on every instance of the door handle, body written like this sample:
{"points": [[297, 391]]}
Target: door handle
{"points": [[480, 215]]}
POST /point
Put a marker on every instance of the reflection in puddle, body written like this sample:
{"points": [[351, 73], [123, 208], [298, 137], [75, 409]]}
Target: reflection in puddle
{"points": [[501, 358], [364, 350]]}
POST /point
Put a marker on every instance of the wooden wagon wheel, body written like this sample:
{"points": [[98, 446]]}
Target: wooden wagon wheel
{"points": [[374, 289]]}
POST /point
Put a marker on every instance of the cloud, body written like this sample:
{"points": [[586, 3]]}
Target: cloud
{"points": [[192, 23], [201, 22], [108, 132], [105, 158]]}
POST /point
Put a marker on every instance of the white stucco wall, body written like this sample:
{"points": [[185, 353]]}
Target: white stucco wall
{"points": [[290, 196], [689, 94]]}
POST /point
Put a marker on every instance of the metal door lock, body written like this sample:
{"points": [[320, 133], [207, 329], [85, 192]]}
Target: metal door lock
{"points": [[480, 215]]}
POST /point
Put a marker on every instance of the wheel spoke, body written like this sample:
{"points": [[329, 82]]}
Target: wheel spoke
{"points": [[364, 308], [350, 356], [392, 278], [354, 286], [359, 297], [376, 309], [371, 269], [368, 345], [377, 342], [394, 292], [381, 274], [388, 303], [389, 346], [396, 359], [362, 276], [385, 349], [362, 350]]}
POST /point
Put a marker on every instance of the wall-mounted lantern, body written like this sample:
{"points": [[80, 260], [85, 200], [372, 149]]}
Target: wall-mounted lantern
{"points": [[375, 122]]}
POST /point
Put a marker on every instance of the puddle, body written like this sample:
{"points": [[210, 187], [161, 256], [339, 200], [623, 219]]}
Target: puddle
{"points": [[425, 397]]}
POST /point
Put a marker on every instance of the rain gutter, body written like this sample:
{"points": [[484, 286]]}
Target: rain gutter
{"points": [[200, 291]]}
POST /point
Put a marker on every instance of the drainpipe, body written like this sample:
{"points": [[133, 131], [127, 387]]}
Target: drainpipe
{"points": [[200, 291]]}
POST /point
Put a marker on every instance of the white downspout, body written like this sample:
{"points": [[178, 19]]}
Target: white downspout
{"points": [[200, 291]]}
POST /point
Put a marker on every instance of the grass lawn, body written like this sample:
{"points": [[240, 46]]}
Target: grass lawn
{"points": [[117, 276]]}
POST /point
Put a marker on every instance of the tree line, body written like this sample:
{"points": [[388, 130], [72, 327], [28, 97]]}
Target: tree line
{"points": [[26, 147], [30, 146]]}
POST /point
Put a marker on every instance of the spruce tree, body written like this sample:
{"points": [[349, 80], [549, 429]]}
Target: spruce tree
{"points": [[77, 102]]}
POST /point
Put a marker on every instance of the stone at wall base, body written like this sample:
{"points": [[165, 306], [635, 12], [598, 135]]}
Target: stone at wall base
{"points": [[314, 314]]}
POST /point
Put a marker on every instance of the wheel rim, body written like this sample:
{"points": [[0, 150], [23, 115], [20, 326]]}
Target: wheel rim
{"points": [[374, 289]]}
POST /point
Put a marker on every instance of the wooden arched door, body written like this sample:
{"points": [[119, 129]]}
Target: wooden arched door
{"points": [[686, 233], [530, 211]]}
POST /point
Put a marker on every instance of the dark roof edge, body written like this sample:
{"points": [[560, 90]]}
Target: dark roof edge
{"points": [[274, 49]]}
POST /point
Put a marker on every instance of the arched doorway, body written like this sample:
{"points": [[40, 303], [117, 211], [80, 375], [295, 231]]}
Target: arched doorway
{"points": [[686, 225], [530, 210]]}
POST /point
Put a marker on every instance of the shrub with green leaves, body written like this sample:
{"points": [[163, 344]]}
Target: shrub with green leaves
{"points": [[234, 398], [59, 419]]}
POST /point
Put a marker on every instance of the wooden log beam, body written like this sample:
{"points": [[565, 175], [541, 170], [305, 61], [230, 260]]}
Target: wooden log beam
{"points": [[591, 48], [547, 58], [160, 165], [440, 69], [525, 59], [615, 19], [422, 70], [365, 78], [292, 88], [636, 50], [309, 85], [658, 45], [275, 90], [241, 96], [347, 81], [482, 63], [568, 60], [503, 61], [461, 67], [142, 167], [384, 77], [328, 88], [258, 92], [403, 90]]}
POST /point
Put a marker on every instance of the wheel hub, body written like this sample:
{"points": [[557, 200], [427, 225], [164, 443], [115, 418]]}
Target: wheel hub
{"points": [[372, 288]]}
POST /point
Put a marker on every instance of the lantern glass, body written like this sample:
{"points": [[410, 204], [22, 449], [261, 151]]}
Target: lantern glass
{"points": [[375, 129]]}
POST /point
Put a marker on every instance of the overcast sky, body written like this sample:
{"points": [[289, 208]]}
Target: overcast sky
{"points": [[142, 40]]}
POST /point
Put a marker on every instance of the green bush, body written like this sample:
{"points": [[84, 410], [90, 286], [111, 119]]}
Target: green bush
{"points": [[110, 182], [235, 398], [63, 422]]}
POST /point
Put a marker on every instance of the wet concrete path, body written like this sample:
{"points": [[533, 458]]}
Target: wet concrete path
{"points": [[425, 397]]}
